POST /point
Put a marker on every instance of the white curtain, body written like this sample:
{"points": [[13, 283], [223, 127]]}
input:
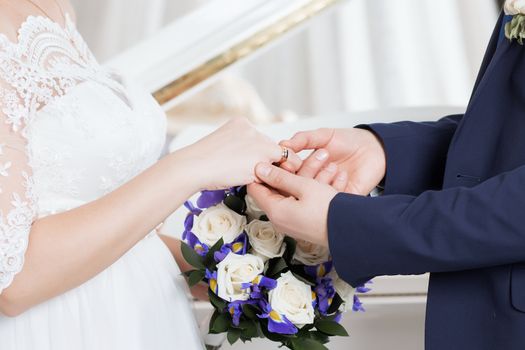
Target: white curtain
{"points": [[365, 54], [109, 26], [371, 54]]}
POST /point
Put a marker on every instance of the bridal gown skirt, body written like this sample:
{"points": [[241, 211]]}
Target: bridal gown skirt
{"points": [[137, 303]]}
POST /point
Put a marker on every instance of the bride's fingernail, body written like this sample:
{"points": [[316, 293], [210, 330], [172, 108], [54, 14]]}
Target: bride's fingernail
{"points": [[263, 170], [321, 155]]}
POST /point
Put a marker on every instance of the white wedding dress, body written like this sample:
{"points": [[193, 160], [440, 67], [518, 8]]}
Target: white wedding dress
{"points": [[71, 132]]}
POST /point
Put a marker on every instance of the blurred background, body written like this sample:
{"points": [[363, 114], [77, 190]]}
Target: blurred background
{"points": [[366, 54], [362, 61]]}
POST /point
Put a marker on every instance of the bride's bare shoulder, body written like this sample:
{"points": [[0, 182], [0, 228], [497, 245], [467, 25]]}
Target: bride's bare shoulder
{"points": [[10, 20], [13, 14]]}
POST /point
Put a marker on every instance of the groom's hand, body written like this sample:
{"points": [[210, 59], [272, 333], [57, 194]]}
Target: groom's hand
{"points": [[357, 152], [303, 213]]}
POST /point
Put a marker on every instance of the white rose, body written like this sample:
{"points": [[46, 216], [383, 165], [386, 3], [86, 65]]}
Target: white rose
{"points": [[252, 209], [293, 299], [235, 270], [514, 7], [311, 254], [265, 240], [345, 291], [218, 222]]}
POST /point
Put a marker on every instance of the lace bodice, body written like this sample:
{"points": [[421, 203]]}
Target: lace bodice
{"points": [[70, 131]]}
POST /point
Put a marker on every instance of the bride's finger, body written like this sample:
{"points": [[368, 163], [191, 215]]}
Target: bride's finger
{"points": [[327, 174], [313, 139], [294, 162], [341, 181], [313, 164]]}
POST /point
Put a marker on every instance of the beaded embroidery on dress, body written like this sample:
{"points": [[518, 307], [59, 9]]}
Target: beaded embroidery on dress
{"points": [[70, 132]]}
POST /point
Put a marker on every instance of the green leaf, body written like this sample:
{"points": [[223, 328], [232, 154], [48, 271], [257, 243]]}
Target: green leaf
{"points": [[331, 328], [275, 267], [212, 320], [192, 257], [233, 335], [216, 301], [236, 204], [319, 336], [222, 323], [210, 259], [250, 311], [274, 336], [195, 277], [307, 344], [249, 330], [299, 273], [242, 192], [306, 328], [259, 329], [337, 301], [291, 246]]}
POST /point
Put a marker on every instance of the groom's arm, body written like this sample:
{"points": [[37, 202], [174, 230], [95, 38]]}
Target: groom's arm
{"points": [[438, 231], [415, 153]]}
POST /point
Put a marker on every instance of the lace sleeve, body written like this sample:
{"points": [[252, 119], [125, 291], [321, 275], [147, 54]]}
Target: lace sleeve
{"points": [[17, 204]]}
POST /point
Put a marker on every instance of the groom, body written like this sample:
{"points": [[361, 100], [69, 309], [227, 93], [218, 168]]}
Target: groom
{"points": [[453, 205]]}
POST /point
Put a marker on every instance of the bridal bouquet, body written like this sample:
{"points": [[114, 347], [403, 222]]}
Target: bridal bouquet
{"points": [[262, 283]]}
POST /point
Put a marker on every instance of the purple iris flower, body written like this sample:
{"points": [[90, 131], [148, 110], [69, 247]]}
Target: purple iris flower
{"points": [[188, 225], [338, 317], [192, 240], [320, 270], [358, 305], [188, 221], [277, 323], [325, 292], [221, 254], [235, 310], [235, 190], [191, 208], [212, 280], [363, 288], [239, 247], [210, 198], [257, 286]]}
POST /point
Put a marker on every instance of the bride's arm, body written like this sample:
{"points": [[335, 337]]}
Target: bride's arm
{"points": [[67, 249]]}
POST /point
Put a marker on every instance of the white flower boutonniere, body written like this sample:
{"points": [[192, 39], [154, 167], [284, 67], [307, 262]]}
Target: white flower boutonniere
{"points": [[515, 29]]}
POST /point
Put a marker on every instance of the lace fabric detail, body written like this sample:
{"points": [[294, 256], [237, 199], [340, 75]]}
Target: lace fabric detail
{"points": [[42, 67]]}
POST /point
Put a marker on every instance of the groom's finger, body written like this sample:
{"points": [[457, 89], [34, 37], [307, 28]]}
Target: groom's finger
{"points": [[266, 198], [341, 181], [305, 140], [282, 180], [327, 174], [314, 163]]}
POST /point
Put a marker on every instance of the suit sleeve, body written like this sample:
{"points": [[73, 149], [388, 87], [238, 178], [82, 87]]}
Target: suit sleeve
{"points": [[415, 153], [437, 231]]}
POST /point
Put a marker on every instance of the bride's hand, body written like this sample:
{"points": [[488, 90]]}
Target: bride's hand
{"points": [[228, 156]]}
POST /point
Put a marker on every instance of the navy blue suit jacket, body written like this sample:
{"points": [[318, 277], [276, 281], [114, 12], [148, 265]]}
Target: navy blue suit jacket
{"points": [[454, 206]]}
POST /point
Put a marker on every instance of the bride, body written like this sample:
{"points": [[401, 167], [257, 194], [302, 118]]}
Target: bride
{"points": [[82, 191]]}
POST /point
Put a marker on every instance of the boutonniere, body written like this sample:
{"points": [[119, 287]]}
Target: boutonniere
{"points": [[515, 29]]}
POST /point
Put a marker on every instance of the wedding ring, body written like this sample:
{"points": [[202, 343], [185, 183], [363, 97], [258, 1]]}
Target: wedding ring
{"points": [[284, 155]]}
